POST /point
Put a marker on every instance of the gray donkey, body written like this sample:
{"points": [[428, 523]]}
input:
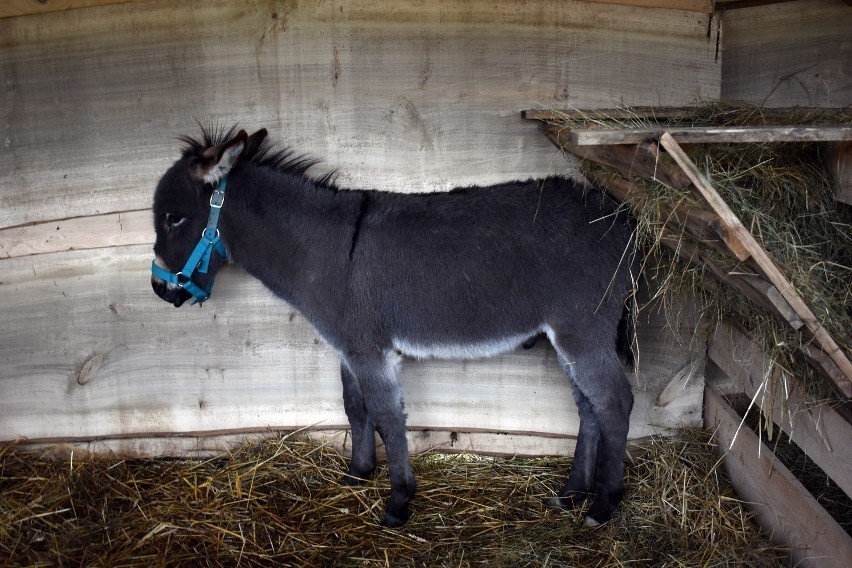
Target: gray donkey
{"points": [[467, 274]]}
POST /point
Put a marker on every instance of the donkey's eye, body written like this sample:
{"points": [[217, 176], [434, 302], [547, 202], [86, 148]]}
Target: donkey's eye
{"points": [[174, 220]]}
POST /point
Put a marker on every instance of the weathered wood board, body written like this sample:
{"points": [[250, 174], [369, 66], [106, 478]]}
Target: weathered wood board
{"points": [[88, 351], [788, 54], [400, 96]]}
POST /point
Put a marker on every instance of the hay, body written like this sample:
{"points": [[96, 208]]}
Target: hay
{"points": [[782, 194], [279, 502]]}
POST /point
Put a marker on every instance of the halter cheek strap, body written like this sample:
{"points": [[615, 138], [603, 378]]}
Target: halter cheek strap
{"points": [[199, 260]]}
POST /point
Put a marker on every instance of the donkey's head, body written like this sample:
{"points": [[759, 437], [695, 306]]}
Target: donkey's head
{"points": [[182, 205]]}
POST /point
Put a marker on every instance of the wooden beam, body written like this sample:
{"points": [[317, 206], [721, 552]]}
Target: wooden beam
{"points": [[702, 135], [817, 428], [97, 231], [662, 113], [840, 166], [555, 115], [12, 8], [641, 160], [702, 6], [784, 508], [763, 262]]}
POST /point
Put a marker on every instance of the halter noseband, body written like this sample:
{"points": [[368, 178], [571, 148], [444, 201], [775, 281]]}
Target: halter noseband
{"points": [[199, 260]]}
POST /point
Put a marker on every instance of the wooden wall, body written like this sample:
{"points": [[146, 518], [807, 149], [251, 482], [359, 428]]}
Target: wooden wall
{"points": [[788, 54], [404, 96]]}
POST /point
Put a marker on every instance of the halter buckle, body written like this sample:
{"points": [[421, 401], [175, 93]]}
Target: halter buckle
{"points": [[217, 198]]}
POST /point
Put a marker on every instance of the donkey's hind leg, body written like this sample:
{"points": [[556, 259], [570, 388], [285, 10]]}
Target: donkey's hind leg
{"points": [[382, 395], [581, 480], [604, 397], [363, 462]]}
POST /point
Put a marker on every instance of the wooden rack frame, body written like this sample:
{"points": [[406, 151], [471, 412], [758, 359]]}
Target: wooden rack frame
{"points": [[655, 154]]}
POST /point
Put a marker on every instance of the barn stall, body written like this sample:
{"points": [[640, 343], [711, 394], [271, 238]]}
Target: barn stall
{"points": [[394, 96]]}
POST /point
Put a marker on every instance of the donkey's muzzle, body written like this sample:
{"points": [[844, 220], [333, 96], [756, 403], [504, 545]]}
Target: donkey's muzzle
{"points": [[171, 294]]}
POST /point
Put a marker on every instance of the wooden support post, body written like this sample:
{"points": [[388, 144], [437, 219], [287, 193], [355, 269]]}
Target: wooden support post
{"points": [[840, 166], [764, 263]]}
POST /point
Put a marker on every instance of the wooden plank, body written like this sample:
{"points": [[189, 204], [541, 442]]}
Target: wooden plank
{"points": [[784, 508], [702, 6], [632, 160], [789, 54], [12, 8], [658, 113], [401, 96], [555, 115], [212, 444], [840, 167], [112, 229], [715, 135], [765, 264], [89, 351], [817, 428]]}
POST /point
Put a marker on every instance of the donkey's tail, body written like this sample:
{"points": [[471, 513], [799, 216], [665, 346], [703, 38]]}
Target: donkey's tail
{"points": [[625, 338]]}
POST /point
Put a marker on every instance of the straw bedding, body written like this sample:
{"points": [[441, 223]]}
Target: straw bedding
{"points": [[279, 502]]}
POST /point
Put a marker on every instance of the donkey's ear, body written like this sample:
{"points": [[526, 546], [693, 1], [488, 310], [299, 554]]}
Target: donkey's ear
{"points": [[218, 160], [253, 143]]}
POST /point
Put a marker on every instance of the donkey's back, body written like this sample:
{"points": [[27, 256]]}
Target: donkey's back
{"points": [[478, 270]]}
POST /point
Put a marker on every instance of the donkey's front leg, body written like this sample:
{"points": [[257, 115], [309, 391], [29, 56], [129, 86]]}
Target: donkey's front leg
{"points": [[363, 461], [382, 394]]}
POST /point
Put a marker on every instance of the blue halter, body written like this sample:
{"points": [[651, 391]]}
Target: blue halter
{"points": [[199, 260]]}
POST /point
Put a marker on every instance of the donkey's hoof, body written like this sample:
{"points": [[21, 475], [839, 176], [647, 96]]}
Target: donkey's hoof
{"points": [[393, 520], [590, 523]]}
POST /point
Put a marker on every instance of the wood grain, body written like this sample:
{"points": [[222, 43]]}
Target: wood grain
{"points": [[402, 96], [12, 8], [714, 135], [783, 507], [788, 54], [112, 229]]}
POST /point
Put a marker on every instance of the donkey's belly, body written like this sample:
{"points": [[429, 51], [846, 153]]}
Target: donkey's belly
{"points": [[480, 349]]}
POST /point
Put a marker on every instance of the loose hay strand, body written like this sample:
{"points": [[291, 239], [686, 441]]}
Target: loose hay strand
{"points": [[470, 510]]}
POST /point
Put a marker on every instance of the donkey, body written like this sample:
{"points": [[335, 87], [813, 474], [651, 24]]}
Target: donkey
{"points": [[471, 273]]}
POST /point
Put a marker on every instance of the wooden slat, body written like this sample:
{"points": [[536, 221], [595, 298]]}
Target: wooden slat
{"points": [[764, 263], [721, 135], [817, 428], [399, 96], [112, 229], [12, 8], [840, 167], [784, 508], [702, 6], [555, 115]]}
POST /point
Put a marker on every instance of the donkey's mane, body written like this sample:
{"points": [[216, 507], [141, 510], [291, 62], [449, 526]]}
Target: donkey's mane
{"points": [[267, 154]]}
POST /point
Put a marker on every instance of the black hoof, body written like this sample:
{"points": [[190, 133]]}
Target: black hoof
{"points": [[393, 520]]}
